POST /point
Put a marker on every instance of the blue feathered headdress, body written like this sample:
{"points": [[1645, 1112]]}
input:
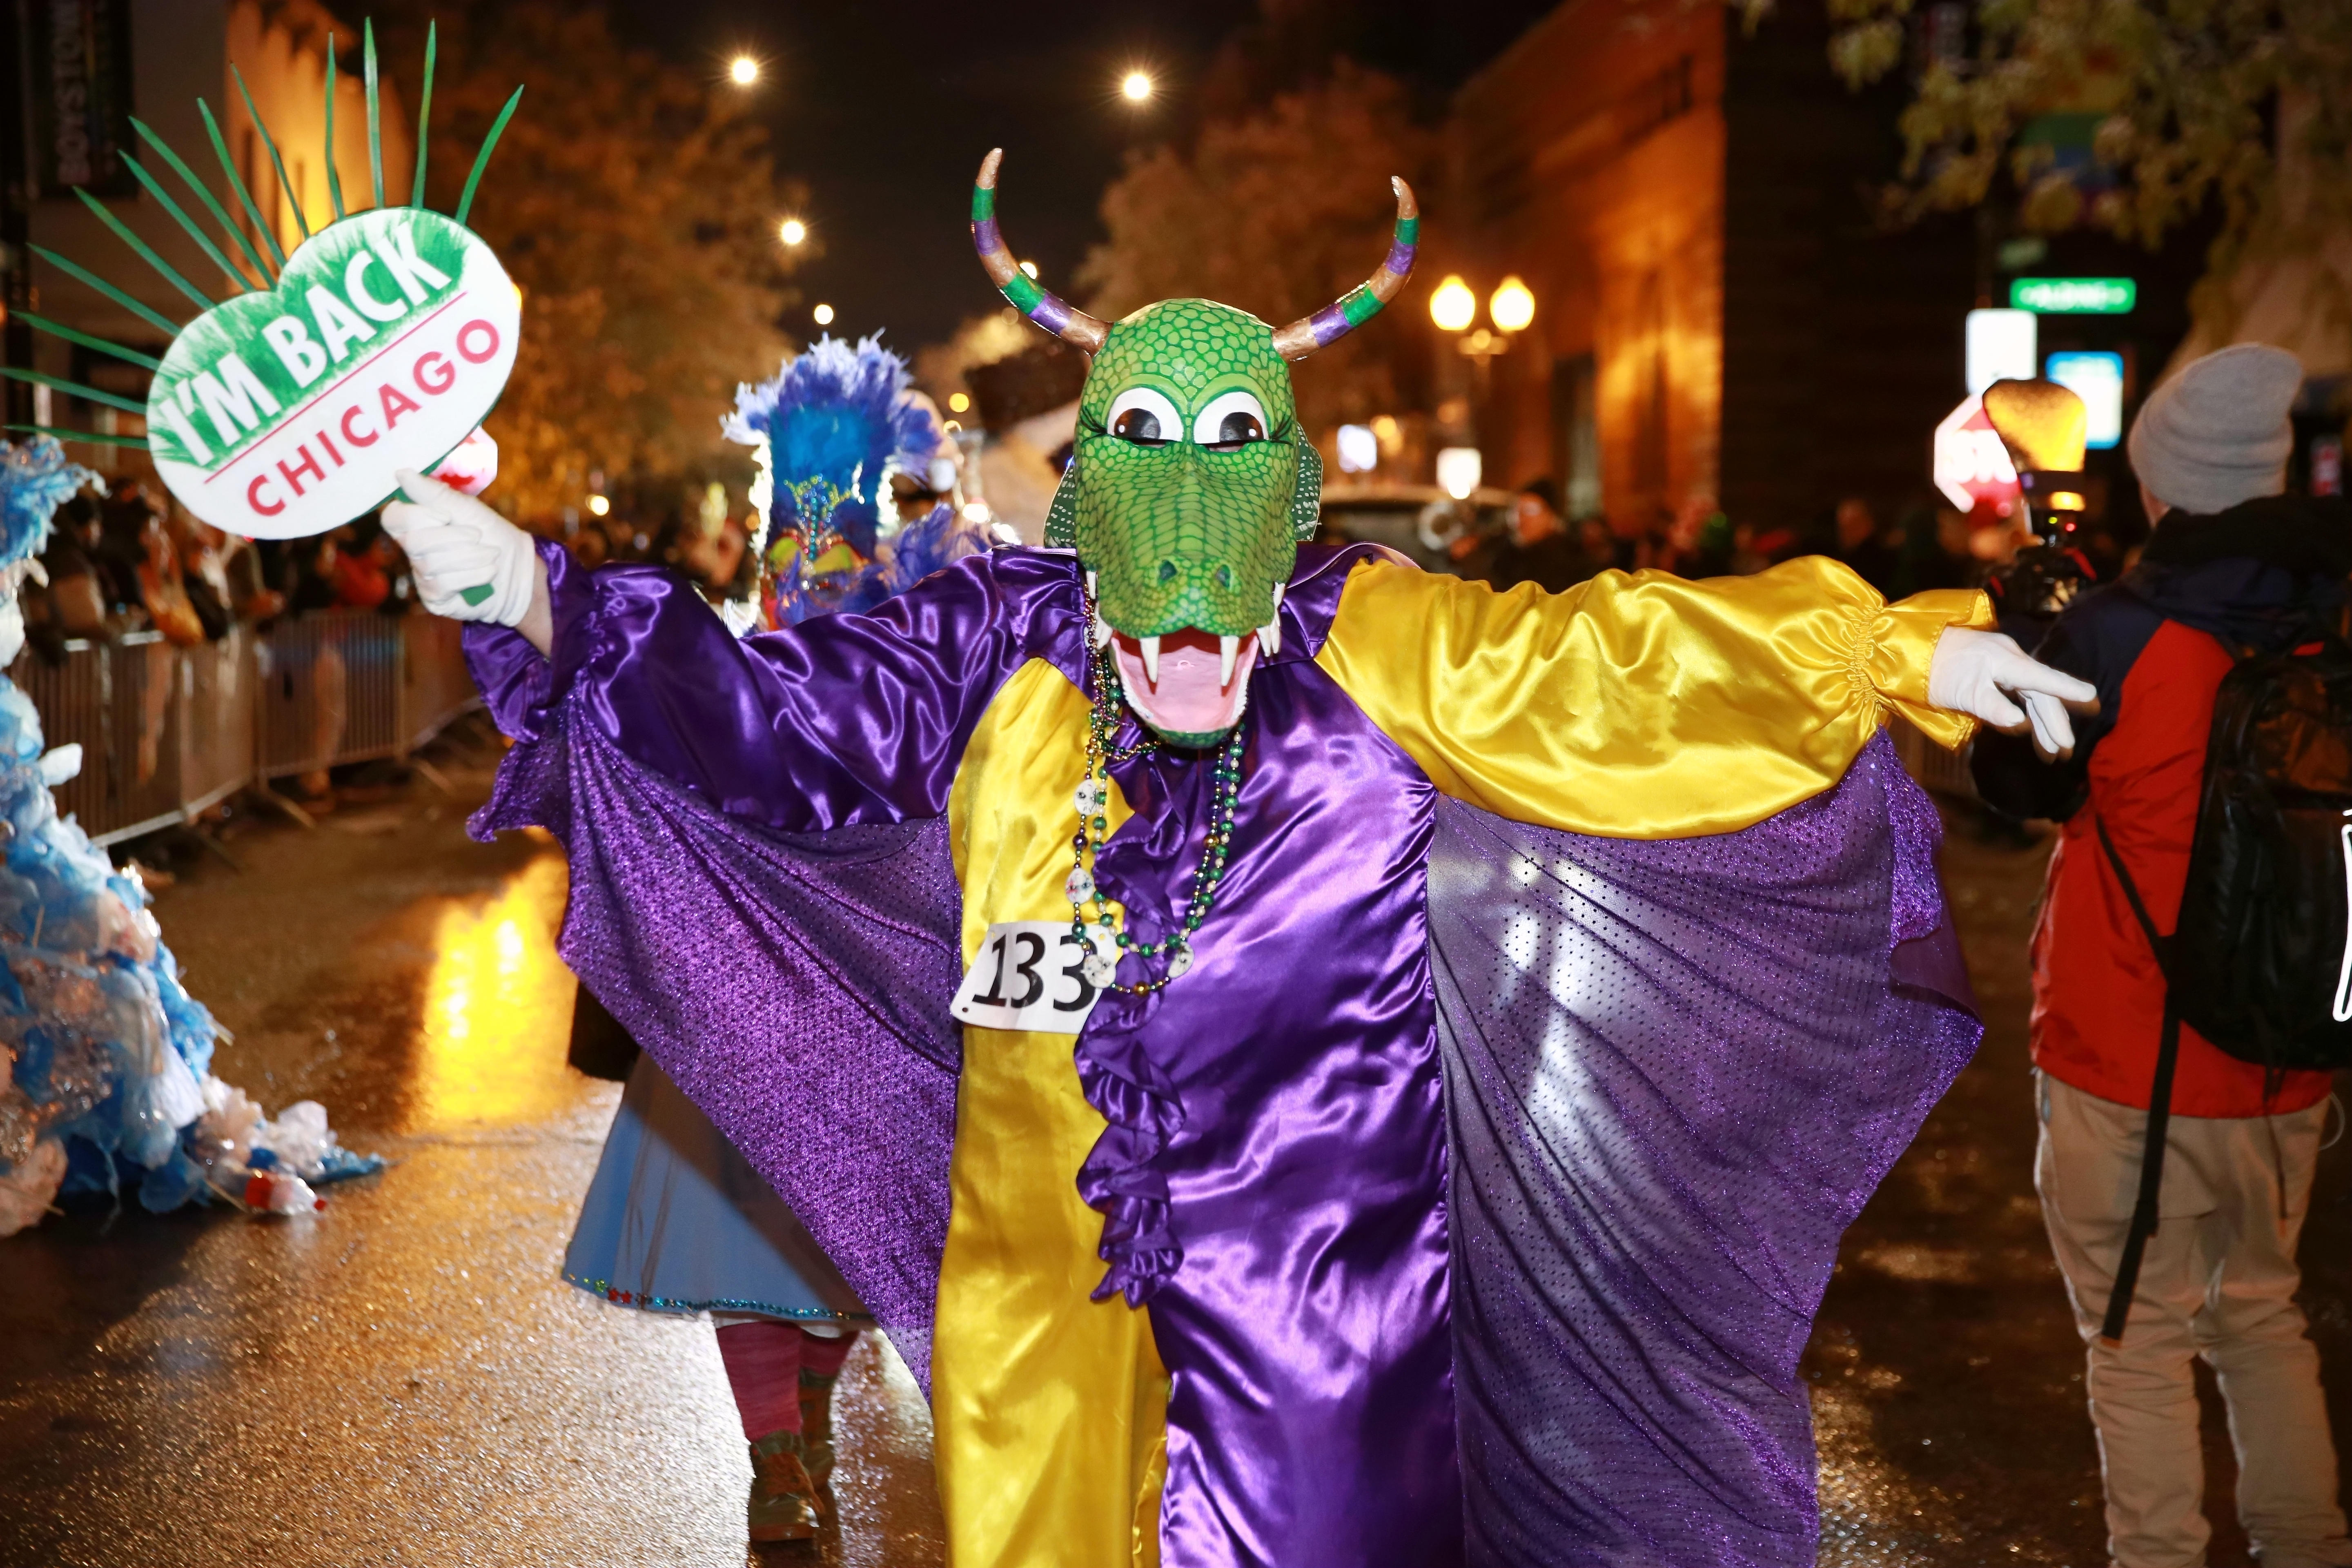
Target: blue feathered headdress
{"points": [[833, 423], [34, 481]]}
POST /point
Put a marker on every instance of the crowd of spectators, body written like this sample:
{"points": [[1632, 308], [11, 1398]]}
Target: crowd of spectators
{"points": [[132, 561], [1928, 545]]}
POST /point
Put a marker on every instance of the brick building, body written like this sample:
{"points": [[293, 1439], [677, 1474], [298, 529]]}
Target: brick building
{"points": [[1719, 319]]}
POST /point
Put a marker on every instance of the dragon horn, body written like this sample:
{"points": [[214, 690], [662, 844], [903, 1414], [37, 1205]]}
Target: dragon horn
{"points": [[1362, 303], [1041, 305]]}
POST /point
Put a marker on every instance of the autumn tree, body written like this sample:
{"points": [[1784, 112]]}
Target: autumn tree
{"points": [[1278, 212], [2237, 108], [636, 208]]}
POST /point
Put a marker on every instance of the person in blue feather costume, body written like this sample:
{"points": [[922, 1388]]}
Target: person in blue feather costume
{"points": [[829, 431], [105, 1059], [675, 1220]]}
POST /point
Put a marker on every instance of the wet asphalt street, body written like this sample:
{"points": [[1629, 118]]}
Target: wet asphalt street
{"points": [[404, 1379]]}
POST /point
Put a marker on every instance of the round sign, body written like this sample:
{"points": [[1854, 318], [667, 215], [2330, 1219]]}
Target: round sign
{"points": [[386, 341]]}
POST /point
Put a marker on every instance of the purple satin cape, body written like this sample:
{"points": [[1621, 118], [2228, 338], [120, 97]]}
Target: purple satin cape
{"points": [[1670, 1072]]}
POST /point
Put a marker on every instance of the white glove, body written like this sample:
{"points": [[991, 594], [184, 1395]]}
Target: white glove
{"points": [[471, 564], [1988, 676]]}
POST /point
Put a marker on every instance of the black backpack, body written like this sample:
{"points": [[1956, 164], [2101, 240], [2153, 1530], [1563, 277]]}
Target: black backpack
{"points": [[2260, 962]]}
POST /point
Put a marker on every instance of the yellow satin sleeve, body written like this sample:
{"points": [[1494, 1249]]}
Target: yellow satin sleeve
{"points": [[1642, 705]]}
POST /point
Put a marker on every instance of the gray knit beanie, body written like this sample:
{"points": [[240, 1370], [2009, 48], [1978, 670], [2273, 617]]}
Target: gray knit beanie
{"points": [[2218, 433]]}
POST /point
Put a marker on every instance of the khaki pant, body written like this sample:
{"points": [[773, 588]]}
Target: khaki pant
{"points": [[2218, 1280]]}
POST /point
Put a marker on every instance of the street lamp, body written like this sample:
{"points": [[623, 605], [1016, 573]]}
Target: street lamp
{"points": [[1512, 307], [792, 231], [1453, 307], [822, 315], [1136, 87], [743, 70]]}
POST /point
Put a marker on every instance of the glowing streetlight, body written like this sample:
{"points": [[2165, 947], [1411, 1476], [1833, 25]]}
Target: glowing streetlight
{"points": [[958, 401], [743, 70], [1136, 87], [1459, 470], [1453, 307], [598, 506], [1512, 306], [822, 315], [792, 231]]}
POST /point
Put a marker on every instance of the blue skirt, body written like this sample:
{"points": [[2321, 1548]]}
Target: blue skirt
{"points": [[676, 1221]]}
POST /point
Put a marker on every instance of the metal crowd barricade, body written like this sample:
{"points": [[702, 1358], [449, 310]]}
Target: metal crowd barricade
{"points": [[168, 732]]}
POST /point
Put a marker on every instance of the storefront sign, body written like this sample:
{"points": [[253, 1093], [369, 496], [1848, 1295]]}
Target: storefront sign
{"points": [[286, 412], [2074, 296], [77, 71], [2000, 346]]}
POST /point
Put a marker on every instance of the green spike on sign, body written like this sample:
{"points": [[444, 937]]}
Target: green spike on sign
{"points": [[146, 252], [482, 159], [301, 220], [75, 388], [375, 123], [220, 214], [424, 113], [179, 215], [147, 313], [334, 180], [96, 437], [59, 329], [236, 183]]}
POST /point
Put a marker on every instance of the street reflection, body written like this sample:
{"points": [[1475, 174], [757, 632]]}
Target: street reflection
{"points": [[497, 1009]]}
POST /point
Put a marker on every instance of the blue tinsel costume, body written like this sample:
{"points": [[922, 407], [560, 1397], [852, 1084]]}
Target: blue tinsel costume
{"points": [[105, 1059], [830, 429]]}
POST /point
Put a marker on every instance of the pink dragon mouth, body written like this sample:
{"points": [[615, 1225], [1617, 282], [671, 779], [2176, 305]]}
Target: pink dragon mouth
{"points": [[1200, 682]]}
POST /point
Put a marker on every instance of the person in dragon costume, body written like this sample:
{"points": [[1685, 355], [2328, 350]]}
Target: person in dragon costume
{"points": [[1464, 1023]]}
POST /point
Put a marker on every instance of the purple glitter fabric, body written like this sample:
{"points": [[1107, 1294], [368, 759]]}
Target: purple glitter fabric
{"points": [[795, 987], [1674, 1071]]}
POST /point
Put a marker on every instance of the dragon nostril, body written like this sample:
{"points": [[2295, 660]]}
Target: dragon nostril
{"points": [[1224, 576], [1168, 570]]}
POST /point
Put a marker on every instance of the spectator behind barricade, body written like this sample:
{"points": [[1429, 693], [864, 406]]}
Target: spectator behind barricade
{"points": [[2233, 564], [161, 592], [359, 578], [203, 574], [119, 550], [1540, 549], [1934, 551], [74, 605], [392, 561], [1861, 544], [246, 580]]}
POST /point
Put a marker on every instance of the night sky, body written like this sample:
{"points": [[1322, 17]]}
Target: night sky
{"points": [[885, 109]]}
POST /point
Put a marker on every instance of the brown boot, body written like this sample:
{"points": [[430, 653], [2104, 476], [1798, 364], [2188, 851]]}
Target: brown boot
{"points": [[816, 1434], [782, 1500]]}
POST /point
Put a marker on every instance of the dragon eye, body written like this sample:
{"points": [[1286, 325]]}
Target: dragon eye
{"points": [[1231, 420], [1144, 417]]}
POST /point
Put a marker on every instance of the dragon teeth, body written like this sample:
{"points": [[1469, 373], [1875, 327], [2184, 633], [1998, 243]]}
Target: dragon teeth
{"points": [[1090, 587], [1151, 660], [1229, 648], [1269, 637], [1102, 631]]}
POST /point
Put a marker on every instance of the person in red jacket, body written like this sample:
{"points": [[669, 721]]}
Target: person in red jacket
{"points": [[2233, 563]]}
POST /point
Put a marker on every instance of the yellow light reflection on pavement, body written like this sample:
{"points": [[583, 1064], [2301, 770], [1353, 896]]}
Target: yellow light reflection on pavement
{"points": [[498, 1008]]}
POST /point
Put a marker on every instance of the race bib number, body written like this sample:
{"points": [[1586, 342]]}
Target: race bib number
{"points": [[1030, 975]]}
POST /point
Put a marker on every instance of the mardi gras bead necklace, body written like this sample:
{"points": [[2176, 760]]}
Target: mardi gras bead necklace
{"points": [[1093, 801]]}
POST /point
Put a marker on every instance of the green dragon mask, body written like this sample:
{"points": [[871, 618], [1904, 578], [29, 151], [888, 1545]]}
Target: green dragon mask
{"points": [[1192, 483]]}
